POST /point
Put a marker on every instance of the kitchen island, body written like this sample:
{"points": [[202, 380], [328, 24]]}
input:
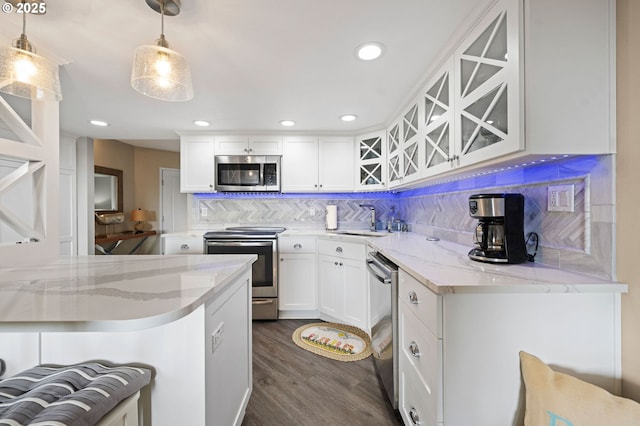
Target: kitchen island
{"points": [[462, 324], [188, 317]]}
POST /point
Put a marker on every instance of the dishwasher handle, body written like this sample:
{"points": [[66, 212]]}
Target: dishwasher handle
{"points": [[381, 275]]}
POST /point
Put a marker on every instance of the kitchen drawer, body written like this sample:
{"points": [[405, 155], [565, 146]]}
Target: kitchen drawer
{"points": [[342, 249], [415, 404], [297, 244], [424, 303], [183, 245], [421, 352]]}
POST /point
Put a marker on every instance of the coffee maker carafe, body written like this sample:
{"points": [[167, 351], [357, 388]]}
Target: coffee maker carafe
{"points": [[499, 235]]}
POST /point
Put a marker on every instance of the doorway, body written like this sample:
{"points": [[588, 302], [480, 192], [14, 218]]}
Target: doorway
{"points": [[173, 203]]}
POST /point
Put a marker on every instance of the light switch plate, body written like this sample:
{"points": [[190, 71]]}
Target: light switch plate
{"points": [[561, 198]]}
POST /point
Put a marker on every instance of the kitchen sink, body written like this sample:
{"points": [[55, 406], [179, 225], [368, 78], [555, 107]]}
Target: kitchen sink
{"points": [[362, 233]]}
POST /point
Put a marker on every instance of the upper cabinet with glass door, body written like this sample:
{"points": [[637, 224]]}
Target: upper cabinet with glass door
{"points": [[487, 87], [410, 145], [437, 121], [372, 170], [394, 156]]}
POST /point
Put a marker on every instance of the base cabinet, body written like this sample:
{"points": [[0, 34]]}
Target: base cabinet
{"points": [[343, 283], [459, 353], [298, 284]]}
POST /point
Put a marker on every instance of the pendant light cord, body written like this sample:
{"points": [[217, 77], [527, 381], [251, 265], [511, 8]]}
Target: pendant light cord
{"points": [[162, 18]]}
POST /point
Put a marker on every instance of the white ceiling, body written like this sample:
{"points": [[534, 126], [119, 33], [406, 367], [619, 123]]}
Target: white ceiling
{"points": [[253, 62]]}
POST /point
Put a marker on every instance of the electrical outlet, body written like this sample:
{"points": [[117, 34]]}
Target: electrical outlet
{"points": [[312, 211], [216, 337], [204, 212], [561, 198]]}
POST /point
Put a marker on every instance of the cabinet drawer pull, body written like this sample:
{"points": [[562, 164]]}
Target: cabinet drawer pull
{"points": [[413, 297], [414, 349], [297, 246], [184, 247], [413, 415], [339, 249]]}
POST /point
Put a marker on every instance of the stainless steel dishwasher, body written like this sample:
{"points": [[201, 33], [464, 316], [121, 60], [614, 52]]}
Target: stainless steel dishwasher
{"points": [[384, 333]]}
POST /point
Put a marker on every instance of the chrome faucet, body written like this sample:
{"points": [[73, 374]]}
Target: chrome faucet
{"points": [[372, 225]]}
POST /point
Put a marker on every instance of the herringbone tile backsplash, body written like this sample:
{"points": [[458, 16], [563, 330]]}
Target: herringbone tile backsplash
{"points": [[580, 241]]}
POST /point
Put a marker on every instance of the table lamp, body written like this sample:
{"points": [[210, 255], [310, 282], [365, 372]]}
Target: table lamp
{"points": [[139, 216]]}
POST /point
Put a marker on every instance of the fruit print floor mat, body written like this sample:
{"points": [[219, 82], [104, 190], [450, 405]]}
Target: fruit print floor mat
{"points": [[332, 340]]}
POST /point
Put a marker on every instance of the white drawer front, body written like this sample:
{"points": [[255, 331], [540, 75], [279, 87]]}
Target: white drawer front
{"points": [[424, 303], [421, 353], [184, 245], [342, 249], [297, 245], [414, 403]]}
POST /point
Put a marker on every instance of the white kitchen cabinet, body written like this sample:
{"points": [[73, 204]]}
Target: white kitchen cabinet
{"points": [[512, 95], [298, 284], [248, 145], [311, 164], [394, 156], [182, 244], [336, 164], [300, 164], [409, 144], [343, 283], [487, 85], [197, 172], [438, 122], [371, 167], [458, 352]]}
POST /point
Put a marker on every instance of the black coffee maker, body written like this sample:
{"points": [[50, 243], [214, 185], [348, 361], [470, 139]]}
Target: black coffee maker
{"points": [[499, 236]]}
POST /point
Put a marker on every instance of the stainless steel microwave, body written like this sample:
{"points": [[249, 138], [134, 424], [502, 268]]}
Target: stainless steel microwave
{"points": [[245, 173]]}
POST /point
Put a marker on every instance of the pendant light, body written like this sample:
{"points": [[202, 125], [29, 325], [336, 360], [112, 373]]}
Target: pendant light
{"points": [[158, 71], [26, 74]]}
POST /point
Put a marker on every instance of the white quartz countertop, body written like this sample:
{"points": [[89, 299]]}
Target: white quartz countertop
{"points": [[445, 268], [112, 293]]}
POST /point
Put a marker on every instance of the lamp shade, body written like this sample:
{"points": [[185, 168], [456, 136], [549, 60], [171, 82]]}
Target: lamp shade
{"points": [[139, 215], [161, 73], [29, 75]]}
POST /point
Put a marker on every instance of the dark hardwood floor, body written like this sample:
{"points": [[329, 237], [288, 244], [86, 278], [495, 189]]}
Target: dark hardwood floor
{"points": [[292, 386]]}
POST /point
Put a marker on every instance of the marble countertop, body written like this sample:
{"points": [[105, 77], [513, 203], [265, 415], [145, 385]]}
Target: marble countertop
{"points": [[112, 293], [445, 268]]}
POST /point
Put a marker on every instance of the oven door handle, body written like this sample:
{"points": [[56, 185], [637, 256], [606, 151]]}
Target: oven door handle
{"points": [[262, 301], [239, 243]]}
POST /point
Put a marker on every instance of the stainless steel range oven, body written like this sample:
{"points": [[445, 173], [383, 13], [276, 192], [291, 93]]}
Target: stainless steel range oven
{"points": [[263, 242]]}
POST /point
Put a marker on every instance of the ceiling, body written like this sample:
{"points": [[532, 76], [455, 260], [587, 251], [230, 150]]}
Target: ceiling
{"points": [[253, 62]]}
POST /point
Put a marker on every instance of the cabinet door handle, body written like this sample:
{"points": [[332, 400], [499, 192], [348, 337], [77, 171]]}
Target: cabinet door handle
{"points": [[335, 263], [339, 250], [340, 263], [282, 259], [320, 185], [297, 246], [413, 415], [414, 349], [184, 247], [315, 186], [413, 297]]}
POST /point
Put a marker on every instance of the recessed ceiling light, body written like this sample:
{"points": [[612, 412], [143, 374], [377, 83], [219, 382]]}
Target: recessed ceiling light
{"points": [[348, 117], [202, 123], [99, 123], [369, 51], [287, 123]]}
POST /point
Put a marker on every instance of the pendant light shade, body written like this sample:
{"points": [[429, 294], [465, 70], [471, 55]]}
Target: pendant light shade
{"points": [[161, 73], [26, 74], [158, 71]]}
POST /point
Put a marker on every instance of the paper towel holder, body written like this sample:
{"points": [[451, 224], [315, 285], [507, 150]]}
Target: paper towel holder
{"points": [[331, 217]]}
